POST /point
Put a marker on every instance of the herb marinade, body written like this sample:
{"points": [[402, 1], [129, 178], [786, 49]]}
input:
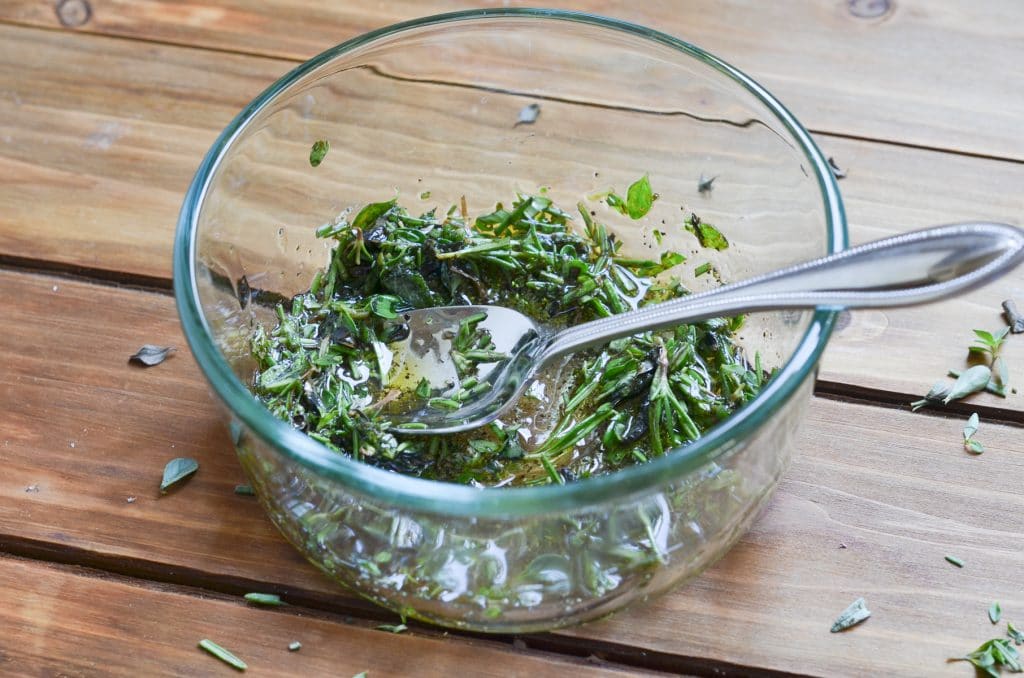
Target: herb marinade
{"points": [[325, 367]]}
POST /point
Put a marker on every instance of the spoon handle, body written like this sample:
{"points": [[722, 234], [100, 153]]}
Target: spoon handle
{"points": [[912, 268]]}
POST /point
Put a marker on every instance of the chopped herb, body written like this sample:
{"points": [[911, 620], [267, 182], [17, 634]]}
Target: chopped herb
{"points": [[973, 446], [972, 380], [851, 616], [1013, 317], [702, 269], [245, 490], [392, 628], [425, 195], [954, 560], [294, 646], [993, 655], [177, 470], [528, 115], [319, 152], [383, 305], [639, 199], [706, 185], [361, 674], [707, 235], [222, 654], [995, 612], [971, 427], [150, 355], [32, 488], [658, 235], [265, 599], [834, 166], [1014, 634]]}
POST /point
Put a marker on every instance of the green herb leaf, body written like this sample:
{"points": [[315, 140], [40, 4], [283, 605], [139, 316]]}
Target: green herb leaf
{"points": [[361, 674], [318, 152], [702, 269], [1014, 634], [1000, 373], [854, 614], [392, 628], [993, 655], [995, 612], [970, 381], [425, 195], [371, 213], [222, 654], [294, 646], [939, 391], [423, 389], [954, 560], [973, 446], [150, 355], [245, 490], [639, 198], [707, 235], [971, 427], [383, 305], [177, 470], [265, 599], [706, 185]]}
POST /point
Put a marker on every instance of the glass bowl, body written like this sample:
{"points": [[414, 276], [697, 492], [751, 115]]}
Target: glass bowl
{"points": [[431, 106]]}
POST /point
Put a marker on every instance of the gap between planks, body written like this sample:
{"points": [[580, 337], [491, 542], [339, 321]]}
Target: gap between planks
{"points": [[357, 612], [284, 59]]}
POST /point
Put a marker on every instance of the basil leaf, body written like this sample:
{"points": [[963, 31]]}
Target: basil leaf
{"points": [[639, 198], [318, 152], [970, 381], [528, 115], [177, 470], [851, 616], [971, 427], [266, 599], [150, 355], [995, 612], [222, 654]]}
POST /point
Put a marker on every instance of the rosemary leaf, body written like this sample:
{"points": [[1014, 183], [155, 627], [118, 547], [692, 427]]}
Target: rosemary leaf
{"points": [[528, 115], [222, 654], [995, 612], [392, 628], [265, 599], [954, 560]]}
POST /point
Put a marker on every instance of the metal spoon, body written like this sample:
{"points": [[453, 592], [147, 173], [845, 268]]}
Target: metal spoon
{"points": [[908, 269]]}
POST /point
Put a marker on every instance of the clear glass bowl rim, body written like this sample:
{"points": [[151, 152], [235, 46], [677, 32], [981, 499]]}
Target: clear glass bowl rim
{"points": [[415, 494]]}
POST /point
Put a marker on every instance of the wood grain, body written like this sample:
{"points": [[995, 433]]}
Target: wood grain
{"points": [[925, 73], [84, 431], [69, 622]]}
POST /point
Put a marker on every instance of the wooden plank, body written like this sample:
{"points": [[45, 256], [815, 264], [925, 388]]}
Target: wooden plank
{"points": [[95, 180], [837, 65], [84, 431], [66, 621]]}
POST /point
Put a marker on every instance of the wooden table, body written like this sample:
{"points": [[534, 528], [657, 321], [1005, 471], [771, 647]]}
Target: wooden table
{"points": [[107, 106]]}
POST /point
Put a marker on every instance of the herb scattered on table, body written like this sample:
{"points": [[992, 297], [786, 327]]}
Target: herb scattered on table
{"points": [[392, 628], [639, 199], [706, 185], [836, 170], [702, 269], [319, 152], [851, 616], [222, 654], [707, 235], [954, 560], [32, 488], [995, 612], [245, 490], [150, 355], [528, 115], [1014, 634], [1013, 317], [266, 599], [970, 428], [993, 655], [130, 500], [294, 646], [326, 367], [361, 674], [178, 470]]}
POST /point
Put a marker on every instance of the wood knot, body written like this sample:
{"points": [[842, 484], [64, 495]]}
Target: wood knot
{"points": [[73, 13], [869, 9]]}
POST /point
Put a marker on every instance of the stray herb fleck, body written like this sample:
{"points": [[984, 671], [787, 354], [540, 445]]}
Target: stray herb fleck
{"points": [[222, 654], [294, 646], [150, 355], [1014, 633], [245, 490], [319, 152], [995, 612], [266, 599], [706, 185], [851, 616], [837, 171], [177, 470], [954, 560], [994, 654], [528, 115], [392, 628]]}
